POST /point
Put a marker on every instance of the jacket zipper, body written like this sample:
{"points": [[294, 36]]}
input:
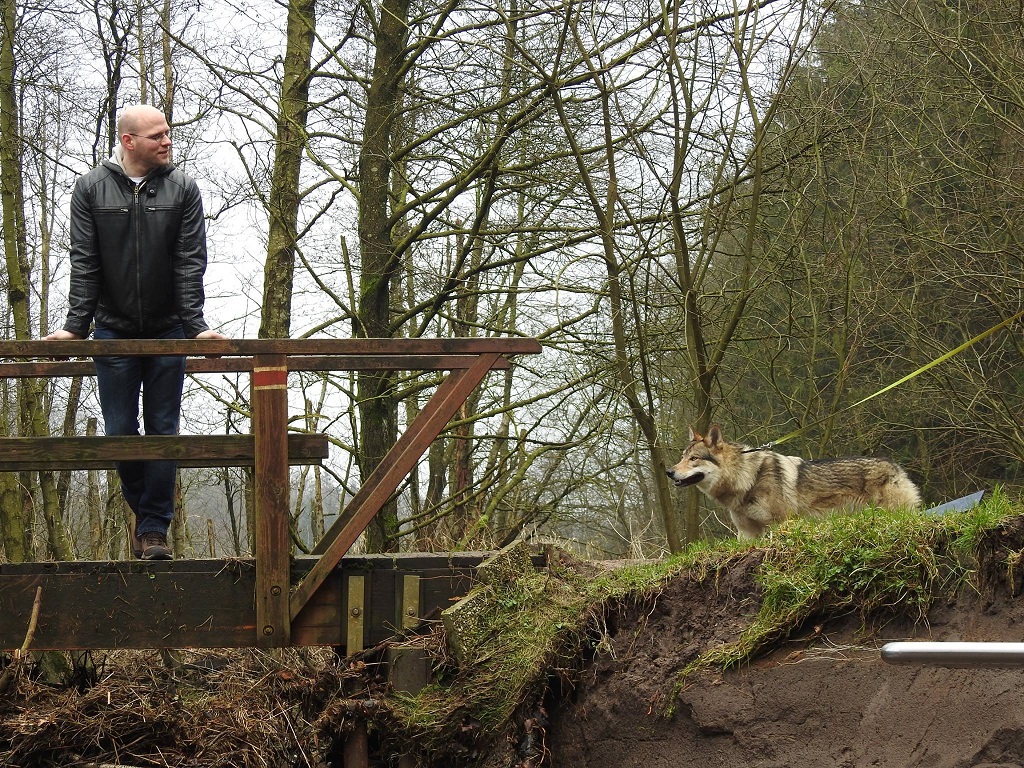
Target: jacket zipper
{"points": [[138, 258]]}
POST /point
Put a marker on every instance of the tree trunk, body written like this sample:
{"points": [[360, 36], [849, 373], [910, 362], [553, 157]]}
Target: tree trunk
{"points": [[631, 384], [165, 50], [140, 51], [15, 531], [13, 517], [249, 496], [64, 477], [113, 55], [31, 415], [378, 407], [229, 500], [467, 316], [279, 268], [120, 519], [179, 534], [316, 505]]}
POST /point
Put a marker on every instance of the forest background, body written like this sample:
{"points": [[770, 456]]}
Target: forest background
{"points": [[756, 214]]}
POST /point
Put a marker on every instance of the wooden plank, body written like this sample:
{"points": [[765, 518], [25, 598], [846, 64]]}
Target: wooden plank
{"points": [[442, 588], [325, 622], [176, 604], [21, 453], [272, 498], [420, 362], [410, 562], [206, 603], [234, 347], [383, 481], [131, 605], [407, 562], [380, 610], [43, 368], [200, 365]]}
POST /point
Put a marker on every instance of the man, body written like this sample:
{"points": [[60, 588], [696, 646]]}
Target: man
{"points": [[138, 256]]}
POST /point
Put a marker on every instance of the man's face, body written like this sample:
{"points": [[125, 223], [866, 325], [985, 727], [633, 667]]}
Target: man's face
{"points": [[150, 143]]}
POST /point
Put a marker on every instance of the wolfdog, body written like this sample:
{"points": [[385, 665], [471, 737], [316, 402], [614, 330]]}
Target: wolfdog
{"points": [[760, 487]]}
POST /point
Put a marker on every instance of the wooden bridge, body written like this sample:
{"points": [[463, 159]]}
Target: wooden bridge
{"points": [[272, 599]]}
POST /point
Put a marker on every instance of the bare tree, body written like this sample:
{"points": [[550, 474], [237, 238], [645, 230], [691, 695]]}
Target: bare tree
{"points": [[284, 196], [31, 415]]}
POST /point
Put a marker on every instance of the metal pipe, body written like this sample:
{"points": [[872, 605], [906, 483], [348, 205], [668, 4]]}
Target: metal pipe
{"points": [[955, 654]]}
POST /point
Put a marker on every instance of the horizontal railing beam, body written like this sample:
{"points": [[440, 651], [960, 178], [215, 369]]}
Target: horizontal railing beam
{"points": [[18, 454], [47, 368], [10, 350]]}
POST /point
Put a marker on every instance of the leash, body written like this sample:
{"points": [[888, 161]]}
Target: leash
{"points": [[941, 359]]}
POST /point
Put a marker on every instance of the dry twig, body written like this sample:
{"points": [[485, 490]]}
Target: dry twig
{"points": [[8, 676]]}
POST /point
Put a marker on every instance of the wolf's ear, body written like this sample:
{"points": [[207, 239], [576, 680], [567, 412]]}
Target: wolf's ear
{"points": [[714, 436], [694, 436]]}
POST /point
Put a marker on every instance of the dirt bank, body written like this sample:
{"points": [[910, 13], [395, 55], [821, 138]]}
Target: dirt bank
{"points": [[822, 698]]}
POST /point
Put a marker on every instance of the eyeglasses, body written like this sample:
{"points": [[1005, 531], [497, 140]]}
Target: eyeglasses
{"points": [[153, 137]]}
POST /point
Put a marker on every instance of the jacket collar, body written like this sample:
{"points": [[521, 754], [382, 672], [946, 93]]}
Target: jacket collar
{"points": [[115, 164]]}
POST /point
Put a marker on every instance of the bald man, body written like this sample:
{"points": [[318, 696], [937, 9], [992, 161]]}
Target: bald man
{"points": [[138, 257]]}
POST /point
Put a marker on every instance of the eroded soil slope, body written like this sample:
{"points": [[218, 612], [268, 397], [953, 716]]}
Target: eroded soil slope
{"points": [[822, 698]]}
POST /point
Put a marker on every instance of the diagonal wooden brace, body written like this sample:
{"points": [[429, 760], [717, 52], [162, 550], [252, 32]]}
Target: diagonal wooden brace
{"points": [[383, 481]]}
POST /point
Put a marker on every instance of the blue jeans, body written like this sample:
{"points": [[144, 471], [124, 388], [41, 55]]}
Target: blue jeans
{"points": [[148, 486]]}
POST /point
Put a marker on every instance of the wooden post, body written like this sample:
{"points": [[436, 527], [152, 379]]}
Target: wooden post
{"points": [[356, 752], [409, 666], [273, 545], [409, 603]]}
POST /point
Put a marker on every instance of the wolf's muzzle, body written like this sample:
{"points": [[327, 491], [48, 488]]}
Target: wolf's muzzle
{"points": [[693, 479]]}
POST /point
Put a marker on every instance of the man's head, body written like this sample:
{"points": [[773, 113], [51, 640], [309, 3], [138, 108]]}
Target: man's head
{"points": [[145, 139]]}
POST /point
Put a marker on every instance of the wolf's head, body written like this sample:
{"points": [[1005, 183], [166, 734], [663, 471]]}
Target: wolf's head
{"points": [[702, 460]]}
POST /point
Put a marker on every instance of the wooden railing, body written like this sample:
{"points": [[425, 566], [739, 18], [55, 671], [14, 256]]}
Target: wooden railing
{"points": [[283, 594]]}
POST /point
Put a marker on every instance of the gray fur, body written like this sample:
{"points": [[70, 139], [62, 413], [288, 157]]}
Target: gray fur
{"points": [[760, 488]]}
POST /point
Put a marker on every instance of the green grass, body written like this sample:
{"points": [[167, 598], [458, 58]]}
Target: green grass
{"points": [[867, 562]]}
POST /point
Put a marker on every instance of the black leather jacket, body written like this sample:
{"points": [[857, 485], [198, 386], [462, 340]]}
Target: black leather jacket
{"points": [[138, 254]]}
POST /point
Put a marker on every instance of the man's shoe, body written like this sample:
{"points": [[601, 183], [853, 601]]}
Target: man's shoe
{"points": [[154, 546], [135, 543]]}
